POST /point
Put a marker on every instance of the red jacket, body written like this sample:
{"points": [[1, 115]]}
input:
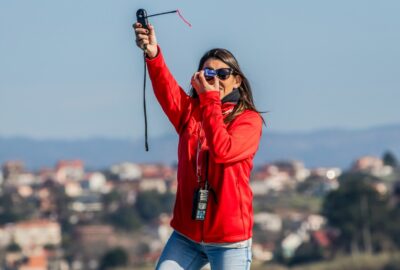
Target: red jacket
{"points": [[231, 147]]}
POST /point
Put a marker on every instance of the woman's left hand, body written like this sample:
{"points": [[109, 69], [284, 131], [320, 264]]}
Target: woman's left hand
{"points": [[201, 85]]}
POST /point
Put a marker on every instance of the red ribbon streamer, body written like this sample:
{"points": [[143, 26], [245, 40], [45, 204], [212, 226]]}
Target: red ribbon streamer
{"points": [[183, 19]]}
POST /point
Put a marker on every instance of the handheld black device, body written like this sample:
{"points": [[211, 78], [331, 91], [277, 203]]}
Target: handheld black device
{"points": [[141, 17]]}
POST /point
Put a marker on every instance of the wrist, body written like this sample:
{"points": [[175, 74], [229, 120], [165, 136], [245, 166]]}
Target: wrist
{"points": [[152, 53]]}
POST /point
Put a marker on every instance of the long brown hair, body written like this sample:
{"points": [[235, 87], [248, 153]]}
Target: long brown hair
{"points": [[246, 96]]}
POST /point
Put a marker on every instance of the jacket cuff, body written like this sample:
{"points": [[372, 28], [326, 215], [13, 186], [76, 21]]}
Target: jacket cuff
{"points": [[209, 97]]}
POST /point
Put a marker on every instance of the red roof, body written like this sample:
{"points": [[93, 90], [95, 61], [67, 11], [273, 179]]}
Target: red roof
{"points": [[322, 238], [35, 262], [69, 163]]}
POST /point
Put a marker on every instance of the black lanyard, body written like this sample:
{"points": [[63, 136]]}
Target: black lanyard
{"points": [[146, 144], [198, 165]]}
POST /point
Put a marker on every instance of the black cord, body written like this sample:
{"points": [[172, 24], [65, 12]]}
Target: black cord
{"points": [[173, 11], [146, 145]]}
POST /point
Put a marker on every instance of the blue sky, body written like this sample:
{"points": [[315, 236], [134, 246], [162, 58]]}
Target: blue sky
{"points": [[70, 69]]}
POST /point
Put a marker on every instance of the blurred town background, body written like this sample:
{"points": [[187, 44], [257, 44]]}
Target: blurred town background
{"points": [[69, 217], [78, 191]]}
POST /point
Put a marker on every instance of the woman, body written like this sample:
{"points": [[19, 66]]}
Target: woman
{"points": [[219, 131]]}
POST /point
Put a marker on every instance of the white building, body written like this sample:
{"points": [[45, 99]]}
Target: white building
{"points": [[290, 244], [157, 184], [31, 235], [97, 181], [68, 170], [73, 188], [315, 222], [268, 221], [127, 171], [372, 165]]}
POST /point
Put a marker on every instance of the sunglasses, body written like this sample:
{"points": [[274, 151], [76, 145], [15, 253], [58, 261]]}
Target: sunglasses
{"points": [[221, 73]]}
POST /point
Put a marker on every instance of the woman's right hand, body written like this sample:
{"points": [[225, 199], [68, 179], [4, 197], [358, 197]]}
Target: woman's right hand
{"points": [[146, 39]]}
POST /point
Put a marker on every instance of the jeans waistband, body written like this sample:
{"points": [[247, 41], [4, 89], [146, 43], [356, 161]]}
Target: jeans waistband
{"points": [[240, 244]]}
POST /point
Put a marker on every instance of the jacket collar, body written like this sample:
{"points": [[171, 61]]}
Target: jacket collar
{"points": [[229, 101], [232, 97]]}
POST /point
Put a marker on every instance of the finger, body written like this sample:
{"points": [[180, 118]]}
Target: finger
{"points": [[202, 78], [141, 31], [137, 25], [152, 32], [216, 84], [142, 36], [195, 81], [142, 43], [197, 77]]}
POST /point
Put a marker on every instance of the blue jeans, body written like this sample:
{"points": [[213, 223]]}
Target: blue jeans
{"points": [[181, 253]]}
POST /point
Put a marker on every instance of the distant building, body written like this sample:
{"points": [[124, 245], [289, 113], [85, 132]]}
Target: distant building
{"points": [[262, 253], [380, 187], [320, 182], [67, 170], [127, 171], [31, 235], [23, 179], [372, 165], [95, 235], [35, 262], [37, 233], [321, 238], [25, 191], [46, 174], [90, 243], [12, 169], [269, 178], [329, 173], [164, 229], [303, 233], [295, 169], [14, 174], [73, 188], [290, 244], [11, 259], [315, 222], [157, 184], [96, 182], [268, 221], [278, 176], [156, 171], [368, 163], [89, 202], [40, 259]]}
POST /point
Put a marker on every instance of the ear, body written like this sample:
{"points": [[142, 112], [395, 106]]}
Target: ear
{"points": [[237, 81]]}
